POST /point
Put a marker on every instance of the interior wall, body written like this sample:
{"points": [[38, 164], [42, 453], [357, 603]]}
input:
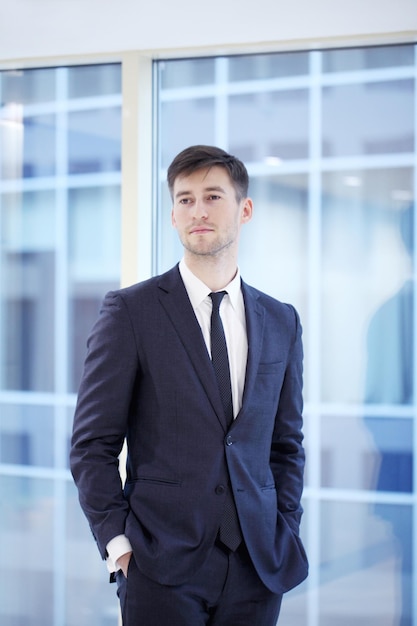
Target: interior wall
{"points": [[35, 30]]}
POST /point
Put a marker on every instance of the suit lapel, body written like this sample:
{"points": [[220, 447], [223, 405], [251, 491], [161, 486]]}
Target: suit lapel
{"points": [[174, 298]]}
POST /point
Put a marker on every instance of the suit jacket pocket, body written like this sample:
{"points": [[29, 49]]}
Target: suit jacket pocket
{"points": [[270, 368]]}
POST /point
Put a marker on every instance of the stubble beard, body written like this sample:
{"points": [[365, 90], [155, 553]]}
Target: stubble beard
{"points": [[211, 250]]}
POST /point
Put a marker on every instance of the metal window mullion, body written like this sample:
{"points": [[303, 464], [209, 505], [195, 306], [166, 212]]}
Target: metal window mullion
{"points": [[313, 350], [221, 103], [61, 347], [414, 508]]}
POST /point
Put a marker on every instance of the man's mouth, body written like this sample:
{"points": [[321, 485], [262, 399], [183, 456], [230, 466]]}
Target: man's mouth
{"points": [[197, 230]]}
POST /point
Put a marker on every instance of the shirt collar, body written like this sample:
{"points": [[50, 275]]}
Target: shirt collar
{"points": [[198, 291]]}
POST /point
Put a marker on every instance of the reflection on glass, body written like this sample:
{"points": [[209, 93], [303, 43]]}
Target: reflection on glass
{"points": [[94, 80], [11, 141], [94, 141], [96, 603], [93, 264], [367, 453], [368, 118], [27, 279], [27, 144], [39, 146], [186, 73], [27, 435], [272, 124], [331, 162], [59, 254], [28, 86], [280, 222], [261, 66], [364, 262], [390, 363], [365, 555], [183, 122], [26, 566], [378, 57]]}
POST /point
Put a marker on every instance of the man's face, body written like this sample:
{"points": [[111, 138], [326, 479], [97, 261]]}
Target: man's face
{"points": [[206, 213]]}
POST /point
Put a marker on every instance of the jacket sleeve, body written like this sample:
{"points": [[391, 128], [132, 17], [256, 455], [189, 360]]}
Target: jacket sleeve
{"points": [[287, 452], [100, 420]]}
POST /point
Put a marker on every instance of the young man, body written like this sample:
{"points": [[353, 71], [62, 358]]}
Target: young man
{"points": [[206, 530]]}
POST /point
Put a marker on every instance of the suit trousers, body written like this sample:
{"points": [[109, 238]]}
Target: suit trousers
{"points": [[226, 591]]}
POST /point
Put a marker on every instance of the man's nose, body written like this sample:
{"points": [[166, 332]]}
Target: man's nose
{"points": [[200, 209]]}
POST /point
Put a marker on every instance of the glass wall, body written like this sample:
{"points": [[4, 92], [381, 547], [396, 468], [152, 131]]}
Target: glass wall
{"points": [[60, 147], [329, 141]]}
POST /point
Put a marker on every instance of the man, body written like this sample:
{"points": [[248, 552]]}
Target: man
{"points": [[206, 529]]}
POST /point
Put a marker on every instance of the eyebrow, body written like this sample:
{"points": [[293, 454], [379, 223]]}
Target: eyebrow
{"points": [[206, 189]]}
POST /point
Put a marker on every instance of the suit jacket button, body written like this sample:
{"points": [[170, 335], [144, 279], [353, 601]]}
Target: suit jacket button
{"points": [[220, 489], [229, 440]]}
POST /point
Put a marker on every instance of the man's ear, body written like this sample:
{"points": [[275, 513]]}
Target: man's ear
{"points": [[247, 210], [173, 222]]}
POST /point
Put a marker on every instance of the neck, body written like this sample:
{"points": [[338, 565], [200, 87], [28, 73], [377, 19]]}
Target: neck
{"points": [[213, 272]]}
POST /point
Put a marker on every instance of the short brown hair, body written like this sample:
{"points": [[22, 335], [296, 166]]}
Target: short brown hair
{"points": [[201, 157]]}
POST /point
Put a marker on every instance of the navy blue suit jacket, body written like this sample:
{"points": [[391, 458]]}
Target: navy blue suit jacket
{"points": [[148, 377]]}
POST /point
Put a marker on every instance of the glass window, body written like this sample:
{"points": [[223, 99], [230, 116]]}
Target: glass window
{"points": [[368, 106], [364, 553], [21, 87], [27, 542], [200, 120], [259, 66], [378, 57], [26, 434], [27, 279], [366, 252], [186, 73], [93, 264], [94, 80], [60, 230], [94, 140], [286, 135], [329, 141]]}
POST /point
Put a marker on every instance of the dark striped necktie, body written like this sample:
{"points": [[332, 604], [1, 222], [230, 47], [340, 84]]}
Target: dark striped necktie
{"points": [[219, 356]]}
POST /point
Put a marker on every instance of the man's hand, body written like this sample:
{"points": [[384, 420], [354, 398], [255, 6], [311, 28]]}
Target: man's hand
{"points": [[123, 562]]}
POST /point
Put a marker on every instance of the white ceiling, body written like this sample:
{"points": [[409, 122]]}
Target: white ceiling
{"points": [[42, 29]]}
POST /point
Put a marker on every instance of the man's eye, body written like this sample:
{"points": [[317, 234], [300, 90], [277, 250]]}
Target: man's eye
{"points": [[213, 197], [184, 200]]}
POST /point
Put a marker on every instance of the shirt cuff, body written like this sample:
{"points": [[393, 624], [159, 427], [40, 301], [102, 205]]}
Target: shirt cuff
{"points": [[115, 549]]}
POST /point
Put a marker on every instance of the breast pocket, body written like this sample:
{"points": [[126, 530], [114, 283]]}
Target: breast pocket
{"points": [[270, 368], [269, 381]]}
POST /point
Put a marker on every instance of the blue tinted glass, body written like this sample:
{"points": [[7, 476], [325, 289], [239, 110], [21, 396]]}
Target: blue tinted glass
{"points": [[260, 66], [39, 156], [379, 57], [27, 275], [94, 80], [368, 118], [27, 528], [381, 579], [27, 435], [329, 141], [186, 122], [28, 86], [94, 140], [60, 154]]}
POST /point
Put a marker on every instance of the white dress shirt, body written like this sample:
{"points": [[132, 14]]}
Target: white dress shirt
{"points": [[232, 313]]}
